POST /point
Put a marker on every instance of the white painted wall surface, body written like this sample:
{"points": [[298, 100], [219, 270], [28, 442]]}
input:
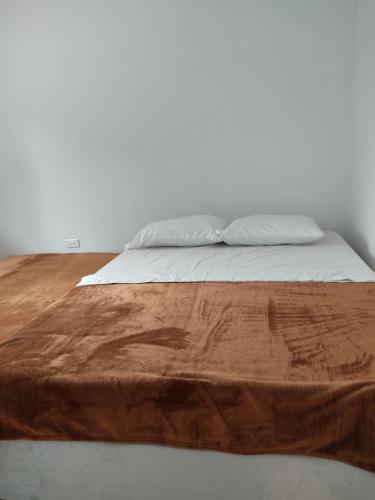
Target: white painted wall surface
{"points": [[114, 113], [362, 206]]}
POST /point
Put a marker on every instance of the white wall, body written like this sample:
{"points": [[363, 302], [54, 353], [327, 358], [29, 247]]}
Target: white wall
{"points": [[362, 205], [115, 113]]}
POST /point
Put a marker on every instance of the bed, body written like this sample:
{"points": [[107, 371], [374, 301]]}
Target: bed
{"points": [[184, 348]]}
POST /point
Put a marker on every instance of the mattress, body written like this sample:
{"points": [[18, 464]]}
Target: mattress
{"points": [[49, 470], [238, 367], [329, 259]]}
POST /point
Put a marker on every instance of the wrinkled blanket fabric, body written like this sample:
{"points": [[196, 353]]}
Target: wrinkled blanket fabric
{"points": [[237, 367]]}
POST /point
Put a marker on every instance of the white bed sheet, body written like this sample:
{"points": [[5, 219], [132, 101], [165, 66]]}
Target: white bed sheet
{"points": [[329, 259], [113, 471]]}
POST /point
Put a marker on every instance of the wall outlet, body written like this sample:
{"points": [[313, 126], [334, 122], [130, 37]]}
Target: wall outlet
{"points": [[72, 243]]}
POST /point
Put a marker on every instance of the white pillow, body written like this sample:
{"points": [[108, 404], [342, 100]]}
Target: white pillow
{"points": [[272, 230], [195, 230]]}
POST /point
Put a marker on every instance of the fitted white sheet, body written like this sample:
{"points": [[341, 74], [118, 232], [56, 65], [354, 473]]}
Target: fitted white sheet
{"points": [[113, 471], [329, 259]]}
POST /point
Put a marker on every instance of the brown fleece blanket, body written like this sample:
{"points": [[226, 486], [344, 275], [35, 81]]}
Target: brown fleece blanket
{"points": [[238, 367]]}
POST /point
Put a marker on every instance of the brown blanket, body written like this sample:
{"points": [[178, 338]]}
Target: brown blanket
{"points": [[239, 367]]}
